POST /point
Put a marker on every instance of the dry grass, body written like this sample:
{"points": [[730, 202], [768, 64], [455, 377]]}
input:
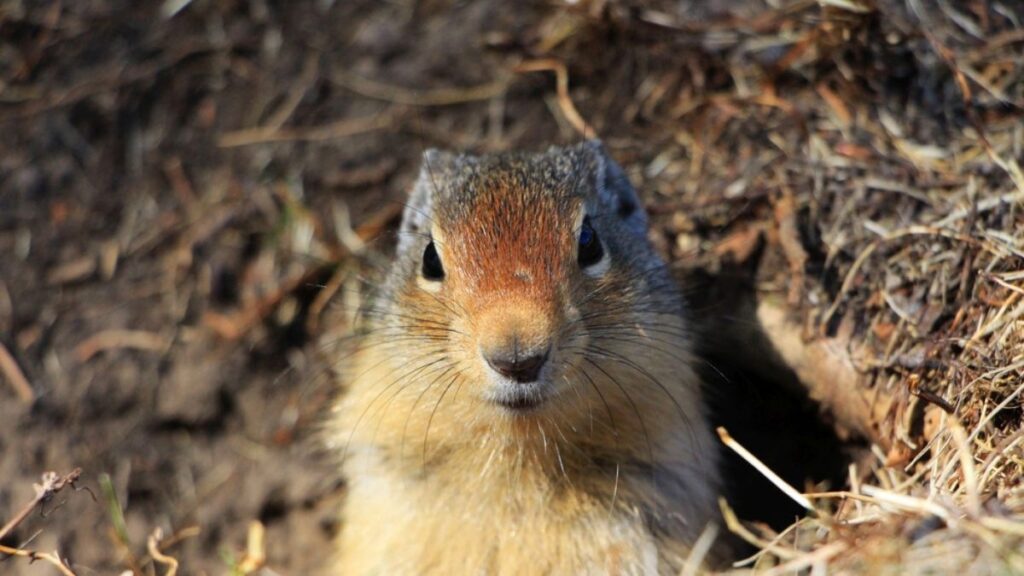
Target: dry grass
{"points": [[898, 226], [871, 146]]}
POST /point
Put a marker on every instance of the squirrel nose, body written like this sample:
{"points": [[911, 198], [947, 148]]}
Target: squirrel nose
{"points": [[520, 365]]}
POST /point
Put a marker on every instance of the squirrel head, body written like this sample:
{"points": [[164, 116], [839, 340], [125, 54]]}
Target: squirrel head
{"points": [[520, 270]]}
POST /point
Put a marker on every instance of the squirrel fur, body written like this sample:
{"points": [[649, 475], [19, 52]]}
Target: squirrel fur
{"points": [[522, 400]]}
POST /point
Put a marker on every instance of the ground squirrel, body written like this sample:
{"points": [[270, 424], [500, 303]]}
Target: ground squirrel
{"points": [[523, 398]]}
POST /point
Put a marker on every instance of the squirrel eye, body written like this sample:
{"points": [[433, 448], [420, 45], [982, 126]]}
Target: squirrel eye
{"points": [[432, 269], [590, 249]]}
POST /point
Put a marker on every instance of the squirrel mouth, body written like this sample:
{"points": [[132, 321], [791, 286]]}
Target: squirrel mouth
{"points": [[519, 402], [519, 398]]}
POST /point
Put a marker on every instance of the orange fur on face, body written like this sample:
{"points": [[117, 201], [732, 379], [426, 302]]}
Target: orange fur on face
{"points": [[510, 280]]}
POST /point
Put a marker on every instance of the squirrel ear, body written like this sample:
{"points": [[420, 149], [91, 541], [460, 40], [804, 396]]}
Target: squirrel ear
{"points": [[435, 160], [614, 187]]}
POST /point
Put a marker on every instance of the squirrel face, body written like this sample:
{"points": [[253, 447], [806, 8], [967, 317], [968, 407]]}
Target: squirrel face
{"points": [[515, 267], [511, 259]]}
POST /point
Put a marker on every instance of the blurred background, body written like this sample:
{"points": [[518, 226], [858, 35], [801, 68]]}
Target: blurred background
{"points": [[187, 186]]}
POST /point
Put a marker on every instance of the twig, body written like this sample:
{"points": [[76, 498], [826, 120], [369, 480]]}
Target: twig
{"points": [[32, 555], [1001, 282], [907, 502], [823, 554], [323, 297], [344, 128], [50, 484], [183, 534], [700, 550], [562, 87], [180, 184], [765, 471], [967, 466], [736, 527], [848, 280], [983, 205], [1003, 525], [112, 339], [255, 556], [768, 549], [236, 324], [299, 88], [785, 211], [15, 376], [159, 557], [843, 494]]}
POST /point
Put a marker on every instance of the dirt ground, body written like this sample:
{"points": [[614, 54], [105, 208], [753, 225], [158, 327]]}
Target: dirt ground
{"points": [[180, 182]]}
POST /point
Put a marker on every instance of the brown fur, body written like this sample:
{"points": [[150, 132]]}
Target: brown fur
{"points": [[614, 472]]}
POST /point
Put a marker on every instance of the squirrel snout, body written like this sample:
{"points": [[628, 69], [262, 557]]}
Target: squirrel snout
{"points": [[515, 340], [522, 364]]}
